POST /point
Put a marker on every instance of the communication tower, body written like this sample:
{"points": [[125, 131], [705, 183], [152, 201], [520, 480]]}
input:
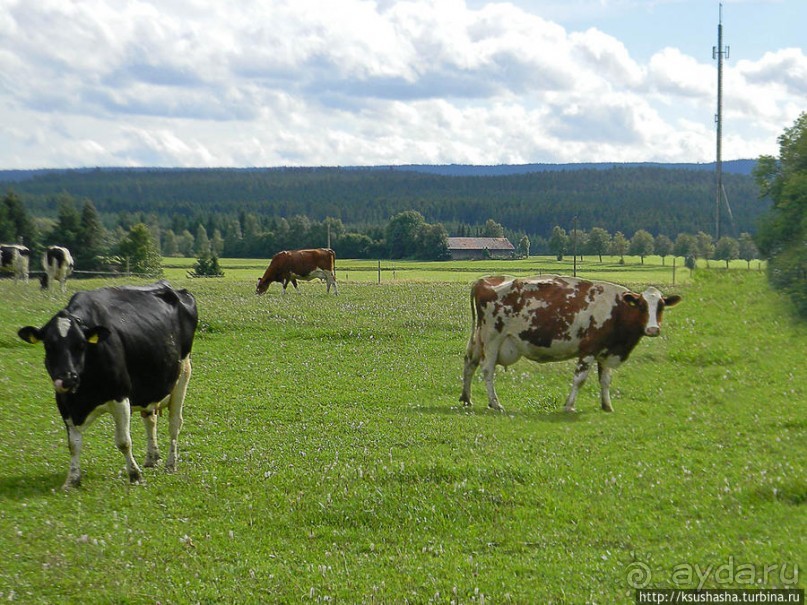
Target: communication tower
{"points": [[718, 52]]}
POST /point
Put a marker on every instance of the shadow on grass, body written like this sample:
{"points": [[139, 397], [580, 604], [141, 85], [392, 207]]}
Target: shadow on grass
{"points": [[556, 416], [27, 486]]}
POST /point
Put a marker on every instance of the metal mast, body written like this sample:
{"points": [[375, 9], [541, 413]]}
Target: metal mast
{"points": [[718, 52]]}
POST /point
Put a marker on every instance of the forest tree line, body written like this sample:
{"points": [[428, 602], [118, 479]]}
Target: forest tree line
{"points": [[138, 241], [625, 199]]}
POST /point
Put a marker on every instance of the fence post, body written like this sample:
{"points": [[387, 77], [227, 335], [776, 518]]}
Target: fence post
{"points": [[379, 272], [673, 270]]}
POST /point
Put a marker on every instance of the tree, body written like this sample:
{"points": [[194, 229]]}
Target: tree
{"points": [[524, 247], [169, 247], [641, 244], [578, 241], [492, 229], [685, 245], [353, 245], [599, 240], [185, 243], [619, 246], [432, 242], [207, 266], [704, 246], [16, 226], [67, 231], [727, 249], [216, 244], [299, 228], [663, 246], [402, 233], [91, 247], [201, 243], [558, 242], [140, 251], [748, 249], [782, 236]]}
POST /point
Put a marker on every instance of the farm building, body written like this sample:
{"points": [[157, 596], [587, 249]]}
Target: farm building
{"points": [[474, 248]]}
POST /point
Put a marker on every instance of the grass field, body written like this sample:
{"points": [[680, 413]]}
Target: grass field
{"points": [[653, 270], [325, 457]]}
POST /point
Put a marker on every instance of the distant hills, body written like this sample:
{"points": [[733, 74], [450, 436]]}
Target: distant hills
{"points": [[730, 167]]}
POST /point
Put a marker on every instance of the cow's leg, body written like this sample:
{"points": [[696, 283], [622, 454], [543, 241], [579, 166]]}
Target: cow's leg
{"points": [[294, 283], [605, 384], [491, 354], [152, 449], [472, 356], [175, 412], [74, 440], [330, 279], [122, 413], [580, 375]]}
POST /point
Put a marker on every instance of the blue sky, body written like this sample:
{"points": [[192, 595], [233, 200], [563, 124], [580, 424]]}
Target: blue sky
{"points": [[368, 82], [750, 27]]}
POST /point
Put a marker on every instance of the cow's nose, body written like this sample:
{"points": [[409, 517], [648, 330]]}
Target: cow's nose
{"points": [[67, 383], [652, 331]]}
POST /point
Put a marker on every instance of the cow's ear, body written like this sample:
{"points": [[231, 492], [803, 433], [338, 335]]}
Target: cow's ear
{"points": [[671, 301], [631, 298], [97, 334], [30, 334]]}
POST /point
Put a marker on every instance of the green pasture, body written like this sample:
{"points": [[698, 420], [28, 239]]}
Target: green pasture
{"points": [[653, 270], [325, 456]]}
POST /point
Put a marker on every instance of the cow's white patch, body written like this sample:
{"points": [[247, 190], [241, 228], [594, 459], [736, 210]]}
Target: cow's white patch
{"points": [[652, 296], [315, 274], [63, 326]]}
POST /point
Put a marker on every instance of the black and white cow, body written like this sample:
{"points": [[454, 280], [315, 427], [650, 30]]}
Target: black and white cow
{"points": [[58, 264], [16, 258], [554, 318], [116, 350]]}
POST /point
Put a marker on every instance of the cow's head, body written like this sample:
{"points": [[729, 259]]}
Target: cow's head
{"points": [[66, 340], [269, 276], [263, 285], [651, 304]]}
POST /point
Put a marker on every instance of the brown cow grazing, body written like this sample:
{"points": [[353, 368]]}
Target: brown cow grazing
{"points": [[291, 265], [554, 318]]}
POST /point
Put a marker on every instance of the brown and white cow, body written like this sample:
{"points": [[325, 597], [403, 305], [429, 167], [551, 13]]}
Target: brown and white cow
{"points": [[58, 264], [291, 265], [554, 318], [15, 257]]}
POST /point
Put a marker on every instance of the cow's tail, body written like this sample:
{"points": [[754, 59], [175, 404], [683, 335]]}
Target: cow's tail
{"points": [[474, 327]]}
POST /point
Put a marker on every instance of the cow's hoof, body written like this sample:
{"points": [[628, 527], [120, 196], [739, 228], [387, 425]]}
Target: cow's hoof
{"points": [[71, 483], [607, 409], [496, 406], [570, 410], [465, 402], [151, 461], [135, 477]]}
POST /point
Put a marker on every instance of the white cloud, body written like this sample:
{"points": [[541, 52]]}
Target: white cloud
{"points": [[196, 82]]}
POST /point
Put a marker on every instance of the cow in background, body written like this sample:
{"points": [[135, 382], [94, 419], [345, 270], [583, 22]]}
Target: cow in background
{"points": [[554, 318], [118, 349], [58, 264], [291, 265], [15, 257]]}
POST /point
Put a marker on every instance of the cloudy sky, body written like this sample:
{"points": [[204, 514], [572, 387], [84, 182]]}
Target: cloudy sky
{"points": [[366, 82]]}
